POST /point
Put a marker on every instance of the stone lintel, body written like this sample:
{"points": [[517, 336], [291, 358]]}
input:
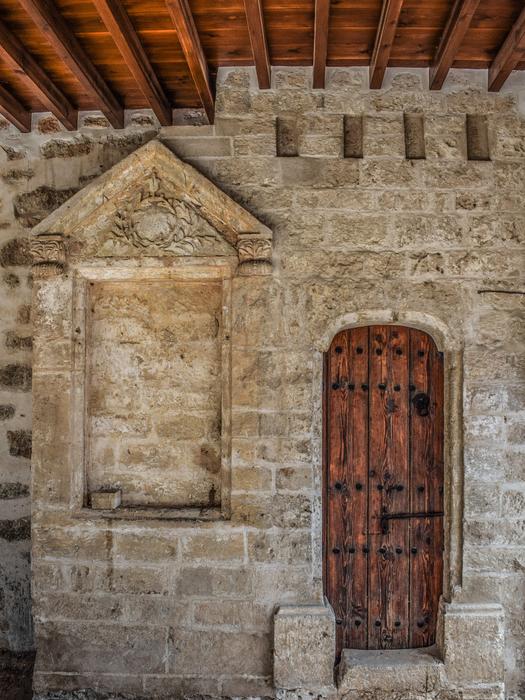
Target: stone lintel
{"points": [[304, 647]]}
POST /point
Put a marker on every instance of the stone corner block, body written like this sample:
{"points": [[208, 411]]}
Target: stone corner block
{"points": [[304, 647], [473, 643]]}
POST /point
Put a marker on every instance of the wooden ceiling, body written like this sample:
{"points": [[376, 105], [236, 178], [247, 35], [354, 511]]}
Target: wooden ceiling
{"points": [[69, 55]]}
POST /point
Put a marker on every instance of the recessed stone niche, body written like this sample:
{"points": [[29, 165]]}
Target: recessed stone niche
{"points": [[132, 298], [154, 391]]}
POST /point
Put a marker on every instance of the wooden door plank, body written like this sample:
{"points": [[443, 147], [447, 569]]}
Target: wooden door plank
{"points": [[128, 43], [384, 41], [321, 20], [356, 629], [192, 48], [55, 29], [261, 56], [457, 25], [346, 562], [13, 111], [389, 470], [426, 489], [336, 555], [13, 52], [510, 54]]}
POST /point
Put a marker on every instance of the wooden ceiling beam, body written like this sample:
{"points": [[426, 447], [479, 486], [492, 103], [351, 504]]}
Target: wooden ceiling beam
{"points": [[261, 57], [55, 29], [128, 43], [457, 25], [192, 49], [322, 17], [512, 51], [28, 70], [13, 111], [386, 33]]}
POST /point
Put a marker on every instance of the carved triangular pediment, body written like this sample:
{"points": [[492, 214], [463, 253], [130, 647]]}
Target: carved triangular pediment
{"points": [[151, 204]]}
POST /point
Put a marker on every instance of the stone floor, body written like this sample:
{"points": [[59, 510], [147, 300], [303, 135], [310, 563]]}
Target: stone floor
{"points": [[15, 675]]}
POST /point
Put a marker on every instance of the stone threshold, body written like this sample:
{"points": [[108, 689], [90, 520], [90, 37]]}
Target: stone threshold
{"points": [[409, 670]]}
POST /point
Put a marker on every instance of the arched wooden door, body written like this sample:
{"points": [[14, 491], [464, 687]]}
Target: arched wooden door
{"points": [[383, 486]]}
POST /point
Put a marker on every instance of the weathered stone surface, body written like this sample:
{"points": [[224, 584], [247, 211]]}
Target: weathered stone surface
{"points": [[32, 207], [15, 252], [482, 661], [7, 411], [413, 672], [15, 377], [12, 530], [304, 647], [13, 341], [356, 240], [19, 443], [184, 412]]}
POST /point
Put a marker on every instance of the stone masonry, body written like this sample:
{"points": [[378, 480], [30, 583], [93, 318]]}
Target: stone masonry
{"points": [[158, 608]]}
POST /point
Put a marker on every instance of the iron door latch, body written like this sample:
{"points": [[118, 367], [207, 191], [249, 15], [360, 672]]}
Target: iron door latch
{"points": [[407, 516]]}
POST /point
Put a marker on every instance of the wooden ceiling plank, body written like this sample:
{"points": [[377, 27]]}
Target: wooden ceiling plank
{"points": [[192, 49], [457, 25], [512, 51], [128, 43], [386, 32], [53, 26], [261, 56], [321, 21], [13, 52], [13, 111]]}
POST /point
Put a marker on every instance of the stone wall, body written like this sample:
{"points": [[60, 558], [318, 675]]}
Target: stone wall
{"points": [[439, 236]]}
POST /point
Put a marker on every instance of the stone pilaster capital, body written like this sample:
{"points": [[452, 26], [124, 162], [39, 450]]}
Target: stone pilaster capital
{"points": [[255, 253], [48, 253]]}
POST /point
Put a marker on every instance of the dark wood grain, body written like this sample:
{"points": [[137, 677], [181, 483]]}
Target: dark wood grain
{"points": [[191, 46], [457, 25], [511, 52], [426, 490], [15, 112], [358, 486], [261, 57], [320, 51], [225, 40], [389, 460], [383, 457], [384, 41], [125, 37], [14, 53], [55, 28]]}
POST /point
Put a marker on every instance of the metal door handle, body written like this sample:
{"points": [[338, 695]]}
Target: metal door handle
{"points": [[407, 516]]}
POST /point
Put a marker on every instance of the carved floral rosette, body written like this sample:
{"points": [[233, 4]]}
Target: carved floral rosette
{"points": [[255, 254], [48, 253]]}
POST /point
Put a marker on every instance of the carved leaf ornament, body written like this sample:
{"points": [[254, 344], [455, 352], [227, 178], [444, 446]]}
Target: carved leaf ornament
{"points": [[152, 218]]}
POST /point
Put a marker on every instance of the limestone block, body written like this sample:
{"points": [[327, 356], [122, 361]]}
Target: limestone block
{"points": [[106, 500], [90, 646], [136, 340], [473, 643], [304, 647], [410, 671]]}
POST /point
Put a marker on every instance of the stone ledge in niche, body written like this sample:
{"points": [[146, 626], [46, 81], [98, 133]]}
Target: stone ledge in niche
{"points": [[152, 513]]}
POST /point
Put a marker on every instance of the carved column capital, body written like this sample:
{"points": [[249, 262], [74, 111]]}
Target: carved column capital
{"points": [[48, 252], [255, 253]]}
